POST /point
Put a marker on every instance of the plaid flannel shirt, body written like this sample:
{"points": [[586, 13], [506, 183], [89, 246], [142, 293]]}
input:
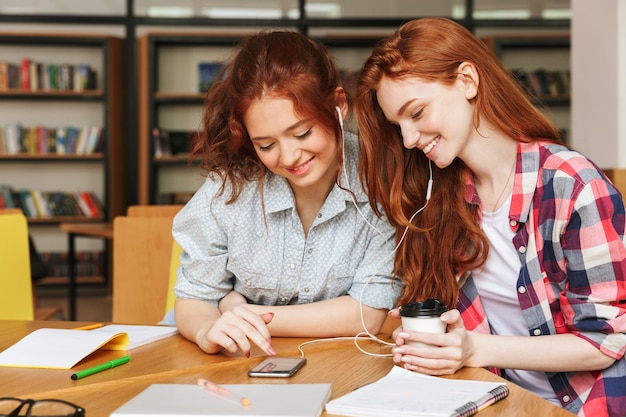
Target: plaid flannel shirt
{"points": [[569, 225]]}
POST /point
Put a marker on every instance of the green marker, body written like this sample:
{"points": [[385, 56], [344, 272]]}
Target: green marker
{"points": [[100, 368]]}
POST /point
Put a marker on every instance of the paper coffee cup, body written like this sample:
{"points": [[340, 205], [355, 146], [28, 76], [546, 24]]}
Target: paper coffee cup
{"points": [[423, 316]]}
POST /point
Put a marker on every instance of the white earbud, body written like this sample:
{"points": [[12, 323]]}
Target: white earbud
{"points": [[340, 117]]}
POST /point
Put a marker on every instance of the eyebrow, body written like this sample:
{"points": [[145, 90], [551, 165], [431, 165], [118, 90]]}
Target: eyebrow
{"points": [[289, 129], [402, 109]]}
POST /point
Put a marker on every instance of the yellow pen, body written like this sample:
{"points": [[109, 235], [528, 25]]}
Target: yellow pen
{"points": [[89, 326]]}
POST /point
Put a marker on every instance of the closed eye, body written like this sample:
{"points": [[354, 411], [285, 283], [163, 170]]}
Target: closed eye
{"points": [[304, 135], [266, 147], [417, 114]]}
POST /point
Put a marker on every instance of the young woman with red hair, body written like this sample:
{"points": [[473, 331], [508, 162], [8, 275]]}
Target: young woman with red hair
{"points": [[280, 239], [520, 236]]}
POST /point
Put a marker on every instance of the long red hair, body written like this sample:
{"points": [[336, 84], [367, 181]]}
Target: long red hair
{"points": [[445, 239]]}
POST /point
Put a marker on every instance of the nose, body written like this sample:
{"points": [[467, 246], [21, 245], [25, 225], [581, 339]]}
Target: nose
{"points": [[290, 153], [410, 136]]}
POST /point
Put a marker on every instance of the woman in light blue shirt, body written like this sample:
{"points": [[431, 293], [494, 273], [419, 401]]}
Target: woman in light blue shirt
{"points": [[280, 240]]}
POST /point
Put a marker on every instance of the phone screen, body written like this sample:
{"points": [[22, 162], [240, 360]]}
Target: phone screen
{"points": [[277, 367]]}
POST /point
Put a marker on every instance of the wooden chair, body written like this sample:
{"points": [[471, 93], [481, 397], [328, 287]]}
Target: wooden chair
{"points": [[143, 251]]}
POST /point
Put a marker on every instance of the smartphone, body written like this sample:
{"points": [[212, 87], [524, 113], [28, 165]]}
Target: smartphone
{"points": [[277, 367]]}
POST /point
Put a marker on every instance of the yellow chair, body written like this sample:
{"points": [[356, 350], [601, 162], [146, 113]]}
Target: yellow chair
{"points": [[143, 257], [16, 297]]}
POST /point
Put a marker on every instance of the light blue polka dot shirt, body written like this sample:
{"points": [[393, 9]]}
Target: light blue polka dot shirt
{"points": [[263, 253]]}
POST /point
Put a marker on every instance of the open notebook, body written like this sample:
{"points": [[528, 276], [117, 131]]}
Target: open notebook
{"points": [[64, 348], [402, 393]]}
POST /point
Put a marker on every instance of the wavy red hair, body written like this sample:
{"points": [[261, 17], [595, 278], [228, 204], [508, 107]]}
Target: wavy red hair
{"points": [[445, 239], [281, 64]]}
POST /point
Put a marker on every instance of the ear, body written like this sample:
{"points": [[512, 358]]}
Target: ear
{"points": [[341, 101], [469, 78]]}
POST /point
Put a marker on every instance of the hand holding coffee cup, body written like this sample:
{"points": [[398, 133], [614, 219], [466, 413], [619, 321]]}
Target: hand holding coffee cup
{"points": [[423, 316]]}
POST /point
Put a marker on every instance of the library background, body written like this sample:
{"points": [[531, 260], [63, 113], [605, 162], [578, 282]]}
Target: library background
{"points": [[100, 100]]}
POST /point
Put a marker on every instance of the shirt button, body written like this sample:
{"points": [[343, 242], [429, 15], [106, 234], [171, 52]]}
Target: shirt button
{"points": [[522, 249], [307, 289], [537, 332], [566, 398], [319, 215], [292, 266], [521, 290], [248, 283], [310, 251], [513, 223], [282, 299]]}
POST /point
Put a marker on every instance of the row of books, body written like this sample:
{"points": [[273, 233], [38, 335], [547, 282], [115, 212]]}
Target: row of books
{"points": [[30, 75], [88, 263], [168, 143], [16, 139], [37, 204], [542, 82]]}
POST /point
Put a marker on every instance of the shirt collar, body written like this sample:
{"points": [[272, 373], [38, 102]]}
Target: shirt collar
{"points": [[524, 182]]}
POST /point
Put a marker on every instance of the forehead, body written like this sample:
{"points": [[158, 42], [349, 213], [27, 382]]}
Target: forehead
{"points": [[268, 115], [395, 94]]}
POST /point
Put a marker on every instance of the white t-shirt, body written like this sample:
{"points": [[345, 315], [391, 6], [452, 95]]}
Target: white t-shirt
{"points": [[496, 284]]}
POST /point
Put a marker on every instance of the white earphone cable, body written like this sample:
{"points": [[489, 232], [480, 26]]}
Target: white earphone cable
{"points": [[365, 334]]}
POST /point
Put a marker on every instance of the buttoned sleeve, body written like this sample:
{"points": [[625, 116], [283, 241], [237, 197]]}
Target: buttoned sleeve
{"points": [[202, 273], [373, 283], [593, 244]]}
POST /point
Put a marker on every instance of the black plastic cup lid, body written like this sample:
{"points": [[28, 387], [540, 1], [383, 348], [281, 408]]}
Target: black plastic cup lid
{"points": [[427, 308]]}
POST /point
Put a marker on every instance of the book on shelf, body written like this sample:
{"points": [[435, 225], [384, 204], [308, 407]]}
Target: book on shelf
{"points": [[40, 140], [207, 74], [173, 142], [31, 75], [54, 348], [48, 204], [403, 393], [544, 83]]}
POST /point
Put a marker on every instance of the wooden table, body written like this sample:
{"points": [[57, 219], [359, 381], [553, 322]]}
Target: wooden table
{"points": [[176, 360]]}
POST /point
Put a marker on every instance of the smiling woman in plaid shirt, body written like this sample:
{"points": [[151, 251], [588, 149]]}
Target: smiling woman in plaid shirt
{"points": [[521, 237]]}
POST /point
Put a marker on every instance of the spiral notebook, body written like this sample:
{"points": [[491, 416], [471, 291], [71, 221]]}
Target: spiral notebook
{"points": [[402, 393]]}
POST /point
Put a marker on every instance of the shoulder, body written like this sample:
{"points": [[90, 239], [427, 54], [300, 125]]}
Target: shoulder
{"points": [[568, 175], [558, 162]]}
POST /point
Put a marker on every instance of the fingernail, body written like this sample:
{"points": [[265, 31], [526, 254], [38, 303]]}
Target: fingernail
{"points": [[403, 335], [398, 350], [271, 351], [247, 355], [406, 359]]}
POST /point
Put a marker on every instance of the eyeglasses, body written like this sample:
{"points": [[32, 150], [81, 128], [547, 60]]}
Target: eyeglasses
{"points": [[16, 407]]}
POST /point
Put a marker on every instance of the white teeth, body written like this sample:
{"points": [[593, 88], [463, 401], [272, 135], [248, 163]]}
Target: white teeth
{"points": [[431, 145]]}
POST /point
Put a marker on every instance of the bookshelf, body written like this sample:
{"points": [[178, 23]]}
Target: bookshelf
{"points": [[169, 99], [545, 61], [100, 171]]}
